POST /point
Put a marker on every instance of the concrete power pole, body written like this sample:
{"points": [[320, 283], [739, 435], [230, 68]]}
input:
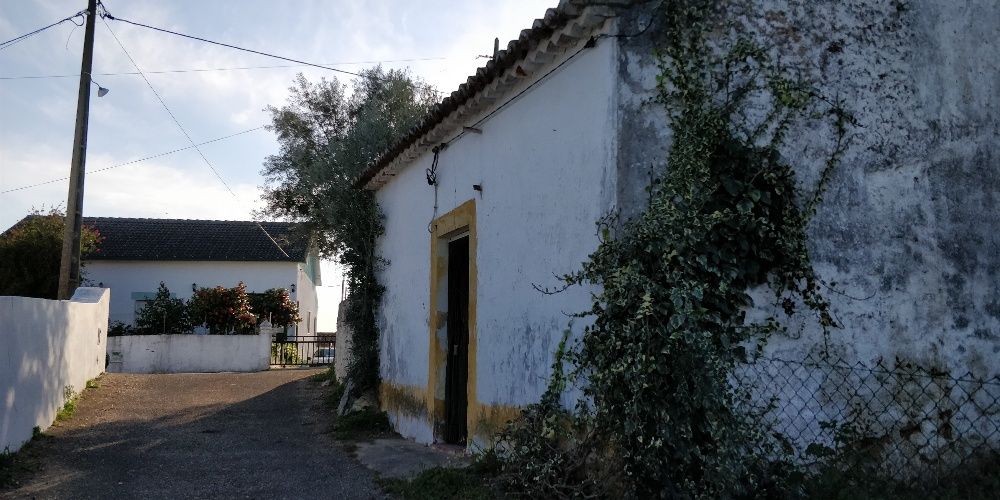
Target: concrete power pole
{"points": [[69, 265]]}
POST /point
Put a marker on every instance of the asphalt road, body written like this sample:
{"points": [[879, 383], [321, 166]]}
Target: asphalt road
{"points": [[231, 435]]}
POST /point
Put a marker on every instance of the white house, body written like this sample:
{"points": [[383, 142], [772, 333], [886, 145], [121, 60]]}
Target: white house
{"points": [[135, 255], [559, 130]]}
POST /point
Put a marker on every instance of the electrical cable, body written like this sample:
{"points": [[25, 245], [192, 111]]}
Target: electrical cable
{"points": [[16, 39], [591, 43], [432, 180], [107, 15], [200, 70], [132, 162], [169, 112], [181, 127], [432, 172]]}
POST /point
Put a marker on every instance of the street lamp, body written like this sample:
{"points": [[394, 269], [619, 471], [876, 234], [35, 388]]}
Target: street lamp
{"points": [[101, 91]]}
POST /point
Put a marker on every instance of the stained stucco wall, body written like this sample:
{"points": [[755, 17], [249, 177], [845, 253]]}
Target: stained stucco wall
{"points": [[544, 164], [189, 353], [50, 347], [127, 277], [908, 229]]}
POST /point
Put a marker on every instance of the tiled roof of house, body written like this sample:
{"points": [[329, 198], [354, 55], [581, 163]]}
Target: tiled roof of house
{"points": [[188, 239], [562, 27]]}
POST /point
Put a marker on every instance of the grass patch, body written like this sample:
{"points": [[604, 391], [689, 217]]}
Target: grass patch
{"points": [[329, 374], [442, 483], [368, 423], [69, 408], [335, 388], [15, 466], [93, 383]]}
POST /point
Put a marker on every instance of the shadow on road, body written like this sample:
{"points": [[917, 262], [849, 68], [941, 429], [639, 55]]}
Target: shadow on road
{"points": [[195, 436]]}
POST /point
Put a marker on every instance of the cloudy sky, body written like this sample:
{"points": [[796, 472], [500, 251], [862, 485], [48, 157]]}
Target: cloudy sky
{"points": [[438, 40]]}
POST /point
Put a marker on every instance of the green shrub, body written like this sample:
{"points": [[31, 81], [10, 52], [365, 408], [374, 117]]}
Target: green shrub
{"points": [[163, 314], [30, 252], [119, 328], [275, 306]]}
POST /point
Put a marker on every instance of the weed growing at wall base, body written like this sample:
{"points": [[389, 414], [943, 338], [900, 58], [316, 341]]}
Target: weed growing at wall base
{"points": [[442, 483], [69, 407], [367, 423]]}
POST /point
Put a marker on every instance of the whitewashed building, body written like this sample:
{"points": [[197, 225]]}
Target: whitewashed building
{"points": [[135, 255], [498, 189]]}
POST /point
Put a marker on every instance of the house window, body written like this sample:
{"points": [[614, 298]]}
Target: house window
{"points": [[309, 322], [141, 299]]}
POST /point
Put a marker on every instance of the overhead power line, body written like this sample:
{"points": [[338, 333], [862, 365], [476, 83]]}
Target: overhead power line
{"points": [[234, 68], [169, 112], [132, 162], [105, 14], [17, 39], [181, 127]]}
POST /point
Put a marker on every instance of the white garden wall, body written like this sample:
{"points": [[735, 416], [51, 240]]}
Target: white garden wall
{"points": [[50, 347], [185, 353]]}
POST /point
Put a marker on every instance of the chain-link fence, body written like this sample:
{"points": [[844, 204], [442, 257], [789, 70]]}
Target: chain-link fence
{"points": [[896, 420]]}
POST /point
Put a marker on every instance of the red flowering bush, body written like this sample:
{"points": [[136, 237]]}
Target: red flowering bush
{"points": [[223, 310]]}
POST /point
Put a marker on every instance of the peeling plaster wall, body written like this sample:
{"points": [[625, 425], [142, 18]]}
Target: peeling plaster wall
{"points": [[908, 229], [544, 163]]}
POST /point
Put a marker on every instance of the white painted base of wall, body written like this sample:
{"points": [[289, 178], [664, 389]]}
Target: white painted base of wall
{"points": [[409, 427], [187, 353], [50, 347]]}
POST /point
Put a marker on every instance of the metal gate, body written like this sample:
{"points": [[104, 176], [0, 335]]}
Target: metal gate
{"points": [[302, 351]]}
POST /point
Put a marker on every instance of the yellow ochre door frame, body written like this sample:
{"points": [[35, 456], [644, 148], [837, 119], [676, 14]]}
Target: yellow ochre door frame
{"points": [[460, 221]]}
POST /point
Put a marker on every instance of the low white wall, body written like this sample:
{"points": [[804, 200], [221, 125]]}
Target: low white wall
{"points": [[50, 347], [185, 353]]}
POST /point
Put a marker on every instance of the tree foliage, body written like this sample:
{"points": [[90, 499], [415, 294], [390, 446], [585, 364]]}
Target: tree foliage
{"points": [[30, 252], [223, 310], [275, 306], [328, 136]]}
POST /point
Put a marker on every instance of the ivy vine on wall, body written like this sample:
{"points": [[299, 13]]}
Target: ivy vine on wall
{"points": [[727, 215]]}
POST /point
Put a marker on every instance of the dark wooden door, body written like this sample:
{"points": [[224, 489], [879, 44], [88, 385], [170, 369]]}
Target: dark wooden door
{"points": [[457, 368]]}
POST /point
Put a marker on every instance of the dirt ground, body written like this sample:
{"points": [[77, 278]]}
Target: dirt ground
{"points": [[227, 435]]}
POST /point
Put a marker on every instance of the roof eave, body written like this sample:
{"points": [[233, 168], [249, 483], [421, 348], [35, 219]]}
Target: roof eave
{"points": [[550, 37]]}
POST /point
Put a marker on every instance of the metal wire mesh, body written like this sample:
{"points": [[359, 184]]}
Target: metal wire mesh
{"points": [[897, 420]]}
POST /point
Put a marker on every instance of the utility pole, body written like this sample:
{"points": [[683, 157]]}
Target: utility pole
{"points": [[69, 265]]}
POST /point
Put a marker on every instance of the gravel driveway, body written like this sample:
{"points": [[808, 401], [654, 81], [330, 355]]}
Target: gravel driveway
{"points": [[228, 435]]}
